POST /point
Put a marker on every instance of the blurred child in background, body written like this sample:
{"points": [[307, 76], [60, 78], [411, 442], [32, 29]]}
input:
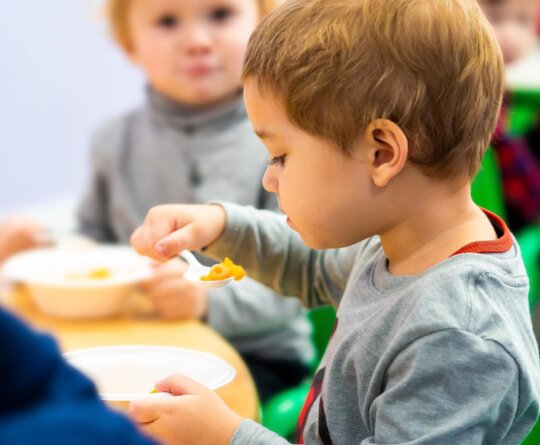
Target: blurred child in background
{"points": [[191, 142], [514, 22]]}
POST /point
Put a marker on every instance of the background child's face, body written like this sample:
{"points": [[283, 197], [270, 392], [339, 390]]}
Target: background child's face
{"points": [[514, 24], [192, 50], [326, 195]]}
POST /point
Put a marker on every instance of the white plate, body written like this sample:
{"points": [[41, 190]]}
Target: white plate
{"points": [[124, 373]]}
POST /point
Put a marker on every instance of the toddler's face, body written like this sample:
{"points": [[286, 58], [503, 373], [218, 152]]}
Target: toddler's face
{"points": [[326, 195], [192, 50], [514, 25]]}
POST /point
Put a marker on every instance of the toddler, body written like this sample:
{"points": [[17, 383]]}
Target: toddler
{"points": [[191, 142], [375, 116]]}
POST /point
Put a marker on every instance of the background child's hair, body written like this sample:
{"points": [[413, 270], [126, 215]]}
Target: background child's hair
{"points": [[431, 66], [117, 12]]}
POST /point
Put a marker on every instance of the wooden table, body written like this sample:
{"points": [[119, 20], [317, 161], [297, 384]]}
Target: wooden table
{"points": [[137, 326]]}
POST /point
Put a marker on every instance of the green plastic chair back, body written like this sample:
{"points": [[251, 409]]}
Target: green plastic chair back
{"points": [[322, 322], [524, 110], [487, 189]]}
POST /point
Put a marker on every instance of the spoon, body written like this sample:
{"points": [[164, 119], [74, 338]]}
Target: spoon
{"points": [[197, 270]]}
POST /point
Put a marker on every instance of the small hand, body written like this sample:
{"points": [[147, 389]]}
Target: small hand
{"points": [[174, 297], [196, 416], [168, 229], [18, 234]]}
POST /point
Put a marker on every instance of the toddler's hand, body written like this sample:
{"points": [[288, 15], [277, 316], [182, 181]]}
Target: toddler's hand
{"points": [[196, 415], [172, 296], [168, 229], [18, 234]]}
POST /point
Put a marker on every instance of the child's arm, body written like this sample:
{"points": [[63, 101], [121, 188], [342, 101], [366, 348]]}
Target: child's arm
{"points": [[44, 400], [275, 255], [197, 416], [259, 240]]}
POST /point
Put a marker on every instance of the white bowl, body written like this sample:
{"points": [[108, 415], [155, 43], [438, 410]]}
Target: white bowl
{"points": [[124, 373], [59, 281]]}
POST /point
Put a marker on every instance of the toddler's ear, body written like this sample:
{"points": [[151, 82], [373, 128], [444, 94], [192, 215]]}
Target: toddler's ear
{"points": [[388, 150]]}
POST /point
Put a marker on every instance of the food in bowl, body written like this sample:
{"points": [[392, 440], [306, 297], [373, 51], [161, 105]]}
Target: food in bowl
{"points": [[89, 283], [99, 273], [224, 270]]}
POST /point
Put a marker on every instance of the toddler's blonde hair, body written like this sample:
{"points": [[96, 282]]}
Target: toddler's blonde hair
{"points": [[117, 12], [431, 66]]}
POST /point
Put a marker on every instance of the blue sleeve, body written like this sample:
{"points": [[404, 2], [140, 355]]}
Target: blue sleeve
{"points": [[44, 400]]}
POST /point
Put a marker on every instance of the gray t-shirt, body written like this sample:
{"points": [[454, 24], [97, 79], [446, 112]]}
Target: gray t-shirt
{"points": [[167, 153], [444, 357]]}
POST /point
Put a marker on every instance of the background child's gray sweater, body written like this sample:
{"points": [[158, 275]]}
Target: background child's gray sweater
{"points": [[445, 357], [165, 153]]}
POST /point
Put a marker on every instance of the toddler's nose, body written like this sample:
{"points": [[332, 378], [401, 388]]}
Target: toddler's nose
{"points": [[196, 39], [270, 181]]}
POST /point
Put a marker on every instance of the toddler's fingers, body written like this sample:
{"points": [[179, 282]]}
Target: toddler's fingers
{"points": [[143, 243], [136, 241], [147, 409], [177, 241], [179, 385]]}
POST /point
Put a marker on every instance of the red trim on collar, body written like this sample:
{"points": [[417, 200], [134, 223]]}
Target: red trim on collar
{"points": [[502, 244]]}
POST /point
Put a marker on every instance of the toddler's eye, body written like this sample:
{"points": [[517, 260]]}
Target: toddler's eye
{"points": [[221, 14], [167, 21], [278, 160]]}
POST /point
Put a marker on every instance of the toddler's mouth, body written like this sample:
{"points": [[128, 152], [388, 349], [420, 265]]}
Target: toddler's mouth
{"points": [[198, 70]]}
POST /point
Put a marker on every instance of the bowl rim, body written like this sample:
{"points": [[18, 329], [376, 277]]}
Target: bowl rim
{"points": [[11, 269], [228, 375]]}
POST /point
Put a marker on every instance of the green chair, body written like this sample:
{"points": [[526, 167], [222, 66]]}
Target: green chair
{"points": [[280, 414]]}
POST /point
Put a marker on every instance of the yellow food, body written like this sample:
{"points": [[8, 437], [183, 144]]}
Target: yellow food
{"points": [[100, 273], [224, 270]]}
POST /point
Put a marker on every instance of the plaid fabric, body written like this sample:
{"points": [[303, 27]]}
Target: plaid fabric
{"points": [[520, 172]]}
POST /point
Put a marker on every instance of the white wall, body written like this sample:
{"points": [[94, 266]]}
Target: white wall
{"points": [[60, 76]]}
